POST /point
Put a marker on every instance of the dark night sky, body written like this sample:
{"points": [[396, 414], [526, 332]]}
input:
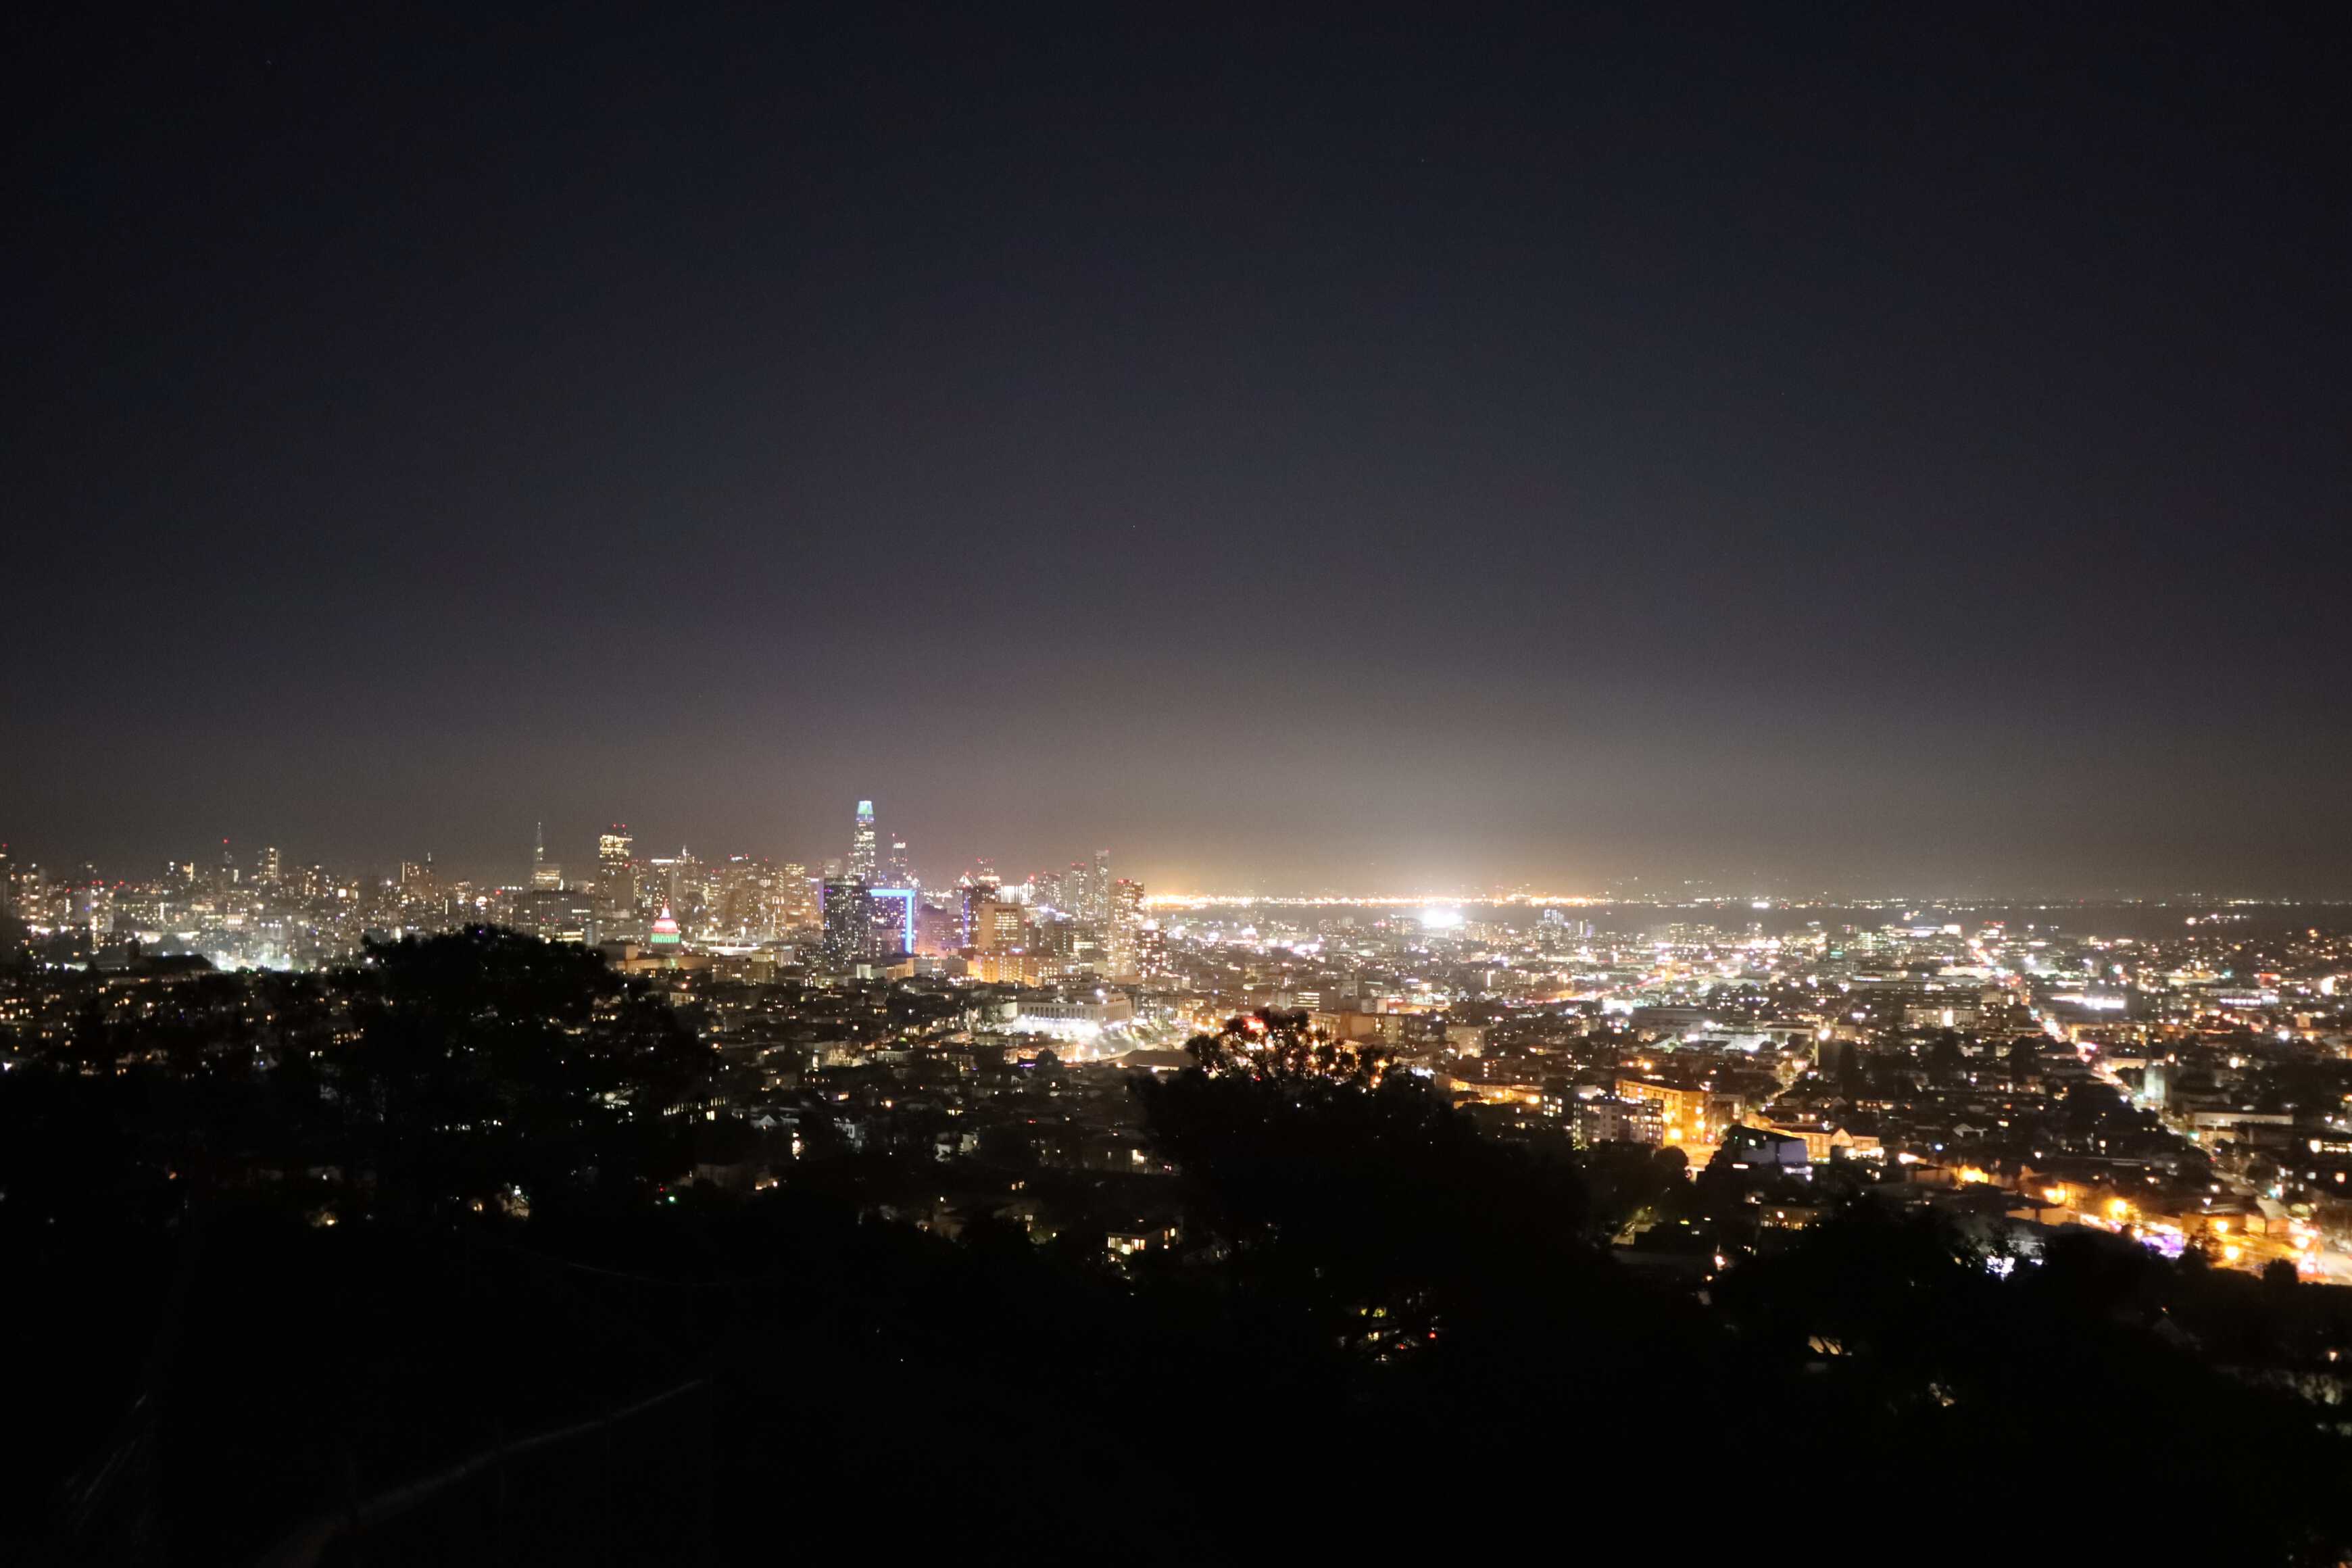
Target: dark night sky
{"points": [[1846, 449]]}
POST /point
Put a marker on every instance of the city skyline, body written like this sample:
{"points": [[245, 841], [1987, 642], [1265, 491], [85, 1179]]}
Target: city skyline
{"points": [[539, 865], [775, 773]]}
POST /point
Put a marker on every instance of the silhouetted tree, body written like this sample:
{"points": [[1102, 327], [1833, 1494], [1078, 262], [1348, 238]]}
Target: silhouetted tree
{"points": [[1272, 1043], [486, 1060]]}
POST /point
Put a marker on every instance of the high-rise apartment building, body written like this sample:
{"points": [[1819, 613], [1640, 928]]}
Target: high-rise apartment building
{"points": [[1123, 955], [851, 934]]}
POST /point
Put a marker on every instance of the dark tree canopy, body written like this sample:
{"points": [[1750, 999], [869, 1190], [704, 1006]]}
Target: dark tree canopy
{"points": [[1275, 1043]]}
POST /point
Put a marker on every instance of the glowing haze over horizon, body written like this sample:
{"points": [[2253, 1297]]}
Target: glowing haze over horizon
{"points": [[1869, 452]]}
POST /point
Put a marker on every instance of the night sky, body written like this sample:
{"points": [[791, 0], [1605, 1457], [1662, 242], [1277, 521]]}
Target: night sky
{"points": [[1859, 449]]}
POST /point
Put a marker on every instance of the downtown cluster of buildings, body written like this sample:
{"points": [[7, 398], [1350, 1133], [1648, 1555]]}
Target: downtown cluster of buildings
{"points": [[864, 913]]}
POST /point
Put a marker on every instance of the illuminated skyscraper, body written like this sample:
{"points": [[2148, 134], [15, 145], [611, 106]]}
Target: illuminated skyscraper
{"points": [[742, 902], [995, 926], [795, 898], [850, 934], [266, 867], [1123, 951], [27, 896], [862, 866], [676, 880], [616, 880], [613, 858], [896, 871]]}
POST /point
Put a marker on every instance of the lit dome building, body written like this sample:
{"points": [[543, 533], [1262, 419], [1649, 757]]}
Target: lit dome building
{"points": [[662, 951]]}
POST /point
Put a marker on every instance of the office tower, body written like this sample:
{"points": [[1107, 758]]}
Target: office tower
{"points": [[741, 900], [266, 867], [676, 880], [557, 914], [614, 878], [862, 866], [613, 848], [997, 926], [1099, 889], [896, 870], [616, 883], [31, 895], [795, 895], [94, 906], [15, 913]]}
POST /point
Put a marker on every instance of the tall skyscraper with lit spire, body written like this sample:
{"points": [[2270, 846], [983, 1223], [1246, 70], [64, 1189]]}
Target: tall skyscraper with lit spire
{"points": [[861, 844]]}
